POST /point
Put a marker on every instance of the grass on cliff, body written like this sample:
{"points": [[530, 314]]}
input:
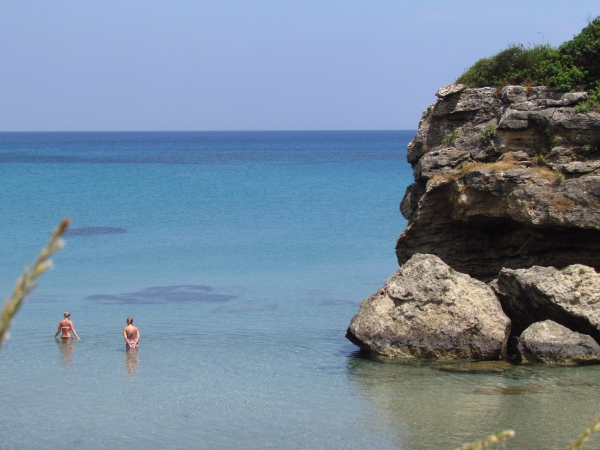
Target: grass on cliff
{"points": [[507, 163], [573, 65]]}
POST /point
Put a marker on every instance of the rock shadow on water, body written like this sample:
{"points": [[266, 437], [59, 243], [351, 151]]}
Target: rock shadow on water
{"points": [[533, 400], [184, 293], [350, 351], [475, 367], [421, 405], [94, 231], [514, 390]]}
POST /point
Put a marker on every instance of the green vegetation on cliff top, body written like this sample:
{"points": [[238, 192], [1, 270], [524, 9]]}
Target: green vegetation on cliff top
{"points": [[573, 65]]}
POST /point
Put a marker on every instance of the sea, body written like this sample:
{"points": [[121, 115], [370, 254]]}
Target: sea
{"points": [[242, 257]]}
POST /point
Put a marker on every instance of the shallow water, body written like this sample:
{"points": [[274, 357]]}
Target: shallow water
{"points": [[242, 258]]}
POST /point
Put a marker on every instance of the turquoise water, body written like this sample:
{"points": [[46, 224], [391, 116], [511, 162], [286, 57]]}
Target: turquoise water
{"points": [[242, 258]]}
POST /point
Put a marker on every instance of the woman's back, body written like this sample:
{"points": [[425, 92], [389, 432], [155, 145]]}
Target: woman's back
{"points": [[131, 331]]}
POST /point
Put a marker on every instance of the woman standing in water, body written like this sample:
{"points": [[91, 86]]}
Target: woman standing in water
{"points": [[65, 327], [131, 334]]}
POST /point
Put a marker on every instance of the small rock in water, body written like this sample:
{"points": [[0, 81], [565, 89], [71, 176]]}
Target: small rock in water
{"points": [[551, 343]]}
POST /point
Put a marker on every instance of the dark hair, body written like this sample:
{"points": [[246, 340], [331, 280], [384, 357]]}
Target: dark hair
{"points": [[129, 321]]}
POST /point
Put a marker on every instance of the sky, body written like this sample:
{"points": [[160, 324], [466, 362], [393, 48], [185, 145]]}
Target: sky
{"points": [[148, 65]]}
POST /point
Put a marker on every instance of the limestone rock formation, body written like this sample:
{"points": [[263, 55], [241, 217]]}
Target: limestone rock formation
{"points": [[552, 343], [570, 297], [428, 310], [504, 178]]}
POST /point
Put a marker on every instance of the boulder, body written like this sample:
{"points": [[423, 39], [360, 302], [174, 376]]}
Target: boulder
{"points": [[570, 297], [428, 310], [551, 343]]}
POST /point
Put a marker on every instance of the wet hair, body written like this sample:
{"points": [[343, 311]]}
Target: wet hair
{"points": [[129, 321], [67, 314]]}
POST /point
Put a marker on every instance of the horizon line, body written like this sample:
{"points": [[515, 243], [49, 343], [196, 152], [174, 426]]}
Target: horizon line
{"points": [[205, 131]]}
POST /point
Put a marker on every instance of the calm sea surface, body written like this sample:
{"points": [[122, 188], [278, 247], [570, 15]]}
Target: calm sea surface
{"points": [[242, 257]]}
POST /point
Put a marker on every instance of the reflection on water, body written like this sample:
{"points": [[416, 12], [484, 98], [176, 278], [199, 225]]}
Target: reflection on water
{"points": [[548, 407], [132, 360], [66, 348]]}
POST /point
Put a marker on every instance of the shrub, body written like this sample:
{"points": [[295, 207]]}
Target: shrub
{"points": [[572, 65], [592, 102], [488, 133], [539, 160], [515, 65], [547, 143], [589, 150], [451, 138]]}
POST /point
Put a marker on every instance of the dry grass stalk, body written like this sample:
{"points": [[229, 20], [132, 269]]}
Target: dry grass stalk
{"points": [[27, 281], [595, 426], [528, 88], [446, 177], [509, 162], [490, 440]]}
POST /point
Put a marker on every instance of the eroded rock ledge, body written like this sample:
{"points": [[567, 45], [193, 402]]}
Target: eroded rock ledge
{"points": [[506, 178]]}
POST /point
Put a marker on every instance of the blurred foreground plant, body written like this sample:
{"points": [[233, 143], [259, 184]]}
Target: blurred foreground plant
{"points": [[490, 440], [595, 426], [27, 281], [496, 438]]}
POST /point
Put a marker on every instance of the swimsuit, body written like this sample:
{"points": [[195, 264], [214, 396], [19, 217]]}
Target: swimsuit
{"points": [[66, 337], [133, 335]]}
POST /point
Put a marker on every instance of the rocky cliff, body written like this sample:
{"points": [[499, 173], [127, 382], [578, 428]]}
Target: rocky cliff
{"points": [[504, 180]]}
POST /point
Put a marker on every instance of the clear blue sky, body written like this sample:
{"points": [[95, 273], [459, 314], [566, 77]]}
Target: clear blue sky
{"points": [[251, 65]]}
